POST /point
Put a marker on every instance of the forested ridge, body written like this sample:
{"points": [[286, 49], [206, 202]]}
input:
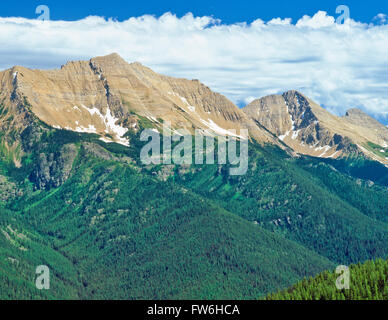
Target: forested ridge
{"points": [[117, 229], [368, 281]]}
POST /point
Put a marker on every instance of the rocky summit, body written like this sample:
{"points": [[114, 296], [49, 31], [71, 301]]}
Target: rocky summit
{"points": [[108, 96], [309, 129]]}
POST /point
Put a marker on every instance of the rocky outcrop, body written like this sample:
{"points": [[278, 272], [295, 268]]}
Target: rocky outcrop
{"points": [[8, 189], [54, 169], [97, 151]]}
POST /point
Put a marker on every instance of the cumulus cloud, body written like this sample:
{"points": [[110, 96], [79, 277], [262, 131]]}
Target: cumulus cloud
{"points": [[381, 18], [339, 66]]}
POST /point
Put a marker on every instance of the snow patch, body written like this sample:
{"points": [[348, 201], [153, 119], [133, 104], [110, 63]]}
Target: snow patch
{"points": [[191, 108], [90, 129], [152, 119], [106, 140], [110, 123], [288, 111], [334, 154], [213, 126], [325, 148], [184, 100], [295, 134], [282, 137]]}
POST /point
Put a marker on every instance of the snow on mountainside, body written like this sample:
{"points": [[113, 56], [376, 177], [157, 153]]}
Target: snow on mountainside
{"points": [[309, 129], [109, 97]]}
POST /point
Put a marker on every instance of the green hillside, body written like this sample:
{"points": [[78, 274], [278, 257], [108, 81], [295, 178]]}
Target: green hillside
{"points": [[21, 251], [126, 235], [112, 228], [305, 200], [368, 281]]}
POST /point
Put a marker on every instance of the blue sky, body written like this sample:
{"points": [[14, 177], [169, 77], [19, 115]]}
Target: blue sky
{"points": [[227, 11], [242, 49]]}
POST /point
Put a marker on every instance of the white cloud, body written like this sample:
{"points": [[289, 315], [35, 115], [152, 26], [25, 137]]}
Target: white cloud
{"points": [[319, 20], [381, 18], [339, 66], [248, 100], [279, 21]]}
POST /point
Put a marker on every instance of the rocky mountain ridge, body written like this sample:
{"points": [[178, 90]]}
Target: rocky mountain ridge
{"points": [[309, 129], [109, 97]]}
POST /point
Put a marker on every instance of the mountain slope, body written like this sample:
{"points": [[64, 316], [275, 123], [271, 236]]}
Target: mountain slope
{"points": [[108, 96], [362, 120], [176, 244], [309, 129], [22, 249], [303, 200], [74, 193], [368, 281]]}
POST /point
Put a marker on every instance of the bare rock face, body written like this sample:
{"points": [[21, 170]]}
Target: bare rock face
{"points": [[309, 129], [270, 112], [360, 119], [109, 97], [54, 169], [97, 151]]}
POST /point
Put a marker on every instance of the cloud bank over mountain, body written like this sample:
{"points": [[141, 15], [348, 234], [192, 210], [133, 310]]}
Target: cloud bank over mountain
{"points": [[339, 66]]}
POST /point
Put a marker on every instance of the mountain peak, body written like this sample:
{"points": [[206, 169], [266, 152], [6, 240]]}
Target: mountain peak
{"points": [[358, 116], [110, 57], [111, 61], [368, 124], [108, 96], [293, 93], [355, 111], [310, 129]]}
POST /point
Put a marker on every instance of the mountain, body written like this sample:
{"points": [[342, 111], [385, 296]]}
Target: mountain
{"points": [[307, 200], [362, 120], [309, 129], [114, 229], [117, 229], [75, 195], [109, 96], [367, 282]]}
